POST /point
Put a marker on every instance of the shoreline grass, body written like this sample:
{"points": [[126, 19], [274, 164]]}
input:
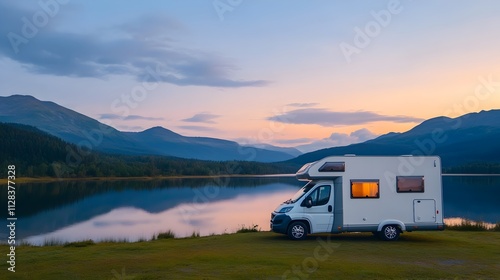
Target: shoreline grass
{"points": [[245, 229], [164, 235], [465, 225], [470, 225], [266, 255]]}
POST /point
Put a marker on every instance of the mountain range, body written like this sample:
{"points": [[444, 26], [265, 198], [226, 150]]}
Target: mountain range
{"points": [[470, 138], [91, 134]]}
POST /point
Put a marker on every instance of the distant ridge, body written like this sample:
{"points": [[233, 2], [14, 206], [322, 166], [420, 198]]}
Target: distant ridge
{"points": [[468, 139], [38, 154], [79, 129]]}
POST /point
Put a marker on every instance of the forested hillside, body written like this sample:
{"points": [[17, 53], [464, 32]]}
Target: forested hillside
{"points": [[38, 154]]}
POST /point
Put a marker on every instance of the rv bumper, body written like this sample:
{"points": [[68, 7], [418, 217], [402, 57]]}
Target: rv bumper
{"points": [[279, 222], [424, 227]]}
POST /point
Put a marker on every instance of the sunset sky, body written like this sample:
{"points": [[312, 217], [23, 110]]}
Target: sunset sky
{"points": [[301, 73]]}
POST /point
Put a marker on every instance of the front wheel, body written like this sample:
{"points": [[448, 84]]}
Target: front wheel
{"points": [[297, 231], [390, 233]]}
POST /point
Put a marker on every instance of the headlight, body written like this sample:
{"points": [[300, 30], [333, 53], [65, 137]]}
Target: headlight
{"points": [[285, 209]]}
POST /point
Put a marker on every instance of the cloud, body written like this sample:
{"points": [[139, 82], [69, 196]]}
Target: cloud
{"points": [[202, 118], [139, 48], [338, 140], [127, 118], [121, 223], [324, 117], [137, 117], [129, 128], [110, 117], [302, 105]]}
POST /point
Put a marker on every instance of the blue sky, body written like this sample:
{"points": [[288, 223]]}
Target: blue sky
{"points": [[290, 73]]}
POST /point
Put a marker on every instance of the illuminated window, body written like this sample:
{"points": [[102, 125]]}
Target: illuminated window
{"points": [[410, 184], [364, 189], [332, 167]]}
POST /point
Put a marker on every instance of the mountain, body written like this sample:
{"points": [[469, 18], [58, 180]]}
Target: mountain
{"points": [[467, 139], [165, 142], [38, 154], [90, 134], [288, 150], [66, 124]]}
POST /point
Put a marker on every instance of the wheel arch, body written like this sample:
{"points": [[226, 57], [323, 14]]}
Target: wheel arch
{"points": [[400, 224], [305, 221]]}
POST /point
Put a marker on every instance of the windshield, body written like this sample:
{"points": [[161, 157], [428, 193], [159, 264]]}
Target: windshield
{"points": [[301, 192]]}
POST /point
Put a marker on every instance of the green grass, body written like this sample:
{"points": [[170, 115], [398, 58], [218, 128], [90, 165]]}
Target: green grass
{"points": [[165, 235], [84, 243], [496, 227], [245, 229], [265, 255]]}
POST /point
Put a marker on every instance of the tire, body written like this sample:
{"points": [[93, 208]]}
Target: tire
{"points": [[390, 233], [297, 231]]}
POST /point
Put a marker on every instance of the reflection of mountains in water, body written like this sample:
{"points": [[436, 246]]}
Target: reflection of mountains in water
{"points": [[474, 198], [56, 205], [50, 195]]}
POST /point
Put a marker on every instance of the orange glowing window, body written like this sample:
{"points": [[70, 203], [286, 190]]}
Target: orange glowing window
{"points": [[364, 189]]}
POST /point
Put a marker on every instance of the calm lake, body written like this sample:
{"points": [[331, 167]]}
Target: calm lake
{"points": [[133, 210]]}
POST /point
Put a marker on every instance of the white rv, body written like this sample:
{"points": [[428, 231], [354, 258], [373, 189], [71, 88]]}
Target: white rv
{"points": [[385, 195]]}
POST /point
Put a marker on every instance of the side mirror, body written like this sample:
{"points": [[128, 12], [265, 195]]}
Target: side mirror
{"points": [[308, 202]]}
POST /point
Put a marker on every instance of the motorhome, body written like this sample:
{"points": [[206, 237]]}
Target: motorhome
{"points": [[386, 195]]}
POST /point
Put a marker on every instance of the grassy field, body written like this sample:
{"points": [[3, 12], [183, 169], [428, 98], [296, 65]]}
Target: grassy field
{"points": [[265, 255]]}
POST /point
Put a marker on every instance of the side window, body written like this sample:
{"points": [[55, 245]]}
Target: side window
{"points": [[410, 184], [321, 195], [365, 189]]}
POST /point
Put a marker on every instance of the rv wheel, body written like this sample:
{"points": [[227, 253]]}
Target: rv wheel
{"points": [[390, 233], [297, 231]]}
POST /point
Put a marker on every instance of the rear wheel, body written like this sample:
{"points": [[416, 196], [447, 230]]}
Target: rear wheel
{"points": [[297, 231], [390, 233]]}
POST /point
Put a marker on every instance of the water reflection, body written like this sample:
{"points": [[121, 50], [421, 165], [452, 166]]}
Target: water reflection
{"points": [[473, 198], [462, 221], [184, 219], [132, 210]]}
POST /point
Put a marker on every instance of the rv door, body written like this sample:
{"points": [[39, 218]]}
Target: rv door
{"points": [[318, 208]]}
